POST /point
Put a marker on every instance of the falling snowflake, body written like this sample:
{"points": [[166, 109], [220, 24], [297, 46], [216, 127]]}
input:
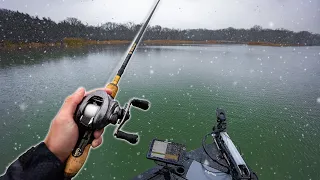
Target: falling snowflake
{"points": [[23, 106], [318, 100], [151, 71], [271, 24]]}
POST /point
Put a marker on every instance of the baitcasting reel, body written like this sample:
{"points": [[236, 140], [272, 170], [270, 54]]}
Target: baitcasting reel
{"points": [[96, 111]]}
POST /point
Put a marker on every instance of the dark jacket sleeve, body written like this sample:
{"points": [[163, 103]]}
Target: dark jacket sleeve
{"points": [[37, 163]]}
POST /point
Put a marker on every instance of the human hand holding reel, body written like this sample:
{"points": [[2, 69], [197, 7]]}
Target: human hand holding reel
{"points": [[99, 109], [96, 111]]}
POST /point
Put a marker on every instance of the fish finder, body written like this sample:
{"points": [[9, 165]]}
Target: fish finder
{"points": [[166, 152]]}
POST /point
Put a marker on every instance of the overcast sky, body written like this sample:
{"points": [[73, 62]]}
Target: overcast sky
{"points": [[296, 15]]}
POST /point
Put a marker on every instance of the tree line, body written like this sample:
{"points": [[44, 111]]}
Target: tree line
{"points": [[17, 27]]}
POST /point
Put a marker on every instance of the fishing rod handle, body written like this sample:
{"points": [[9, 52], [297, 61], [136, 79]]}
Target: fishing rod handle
{"points": [[79, 154], [74, 164]]}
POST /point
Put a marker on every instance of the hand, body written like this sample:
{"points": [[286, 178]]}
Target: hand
{"points": [[63, 133]]}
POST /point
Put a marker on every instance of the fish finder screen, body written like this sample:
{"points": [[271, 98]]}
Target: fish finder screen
{"points": [[165, 151]]}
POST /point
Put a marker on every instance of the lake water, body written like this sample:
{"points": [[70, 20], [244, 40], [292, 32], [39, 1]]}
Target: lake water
{"points": [[271, 95]]}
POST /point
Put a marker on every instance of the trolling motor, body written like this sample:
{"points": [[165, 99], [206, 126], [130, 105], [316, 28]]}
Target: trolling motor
{"points": [[239, 169], [99, 109], [221, 120]]}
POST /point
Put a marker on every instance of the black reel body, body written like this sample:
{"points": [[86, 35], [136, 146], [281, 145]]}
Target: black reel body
{"points": [[99, 109]]}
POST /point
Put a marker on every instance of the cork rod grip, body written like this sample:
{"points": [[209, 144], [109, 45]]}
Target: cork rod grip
{"points": [[74, 164]]}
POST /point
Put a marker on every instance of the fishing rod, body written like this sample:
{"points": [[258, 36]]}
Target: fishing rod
{"points": [[114, 84], [99, 109]]}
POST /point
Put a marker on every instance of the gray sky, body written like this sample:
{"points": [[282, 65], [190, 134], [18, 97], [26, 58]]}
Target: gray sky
{"points": [[296, 15]]}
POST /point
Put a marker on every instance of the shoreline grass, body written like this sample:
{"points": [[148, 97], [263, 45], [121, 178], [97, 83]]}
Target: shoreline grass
{"points": [[77, 42]]}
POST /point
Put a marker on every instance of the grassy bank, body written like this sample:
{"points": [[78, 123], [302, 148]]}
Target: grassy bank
{"points": [[76, 42], [269, 44]]}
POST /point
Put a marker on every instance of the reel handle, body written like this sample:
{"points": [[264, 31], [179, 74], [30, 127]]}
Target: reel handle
{"points": [[140, 103], [131, 138]]}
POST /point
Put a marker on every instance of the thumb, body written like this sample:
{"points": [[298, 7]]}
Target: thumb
{"points": [[70, 104]]}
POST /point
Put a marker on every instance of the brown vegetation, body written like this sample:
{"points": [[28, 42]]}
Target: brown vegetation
{"points": [[78, 42], [177, 42], [269, 44], [71, 42]]}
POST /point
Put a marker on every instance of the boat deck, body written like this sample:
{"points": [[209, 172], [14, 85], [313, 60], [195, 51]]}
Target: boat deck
{"points": [[196, 166]]}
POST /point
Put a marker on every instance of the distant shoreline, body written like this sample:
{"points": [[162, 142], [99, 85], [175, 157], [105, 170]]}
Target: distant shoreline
{"points": [[21, 30], [78, 42]]}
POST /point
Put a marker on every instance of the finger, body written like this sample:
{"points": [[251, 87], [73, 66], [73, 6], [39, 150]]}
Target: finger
{"points": [[96, 142], [108, 91], [98, 133], [72, 101]]}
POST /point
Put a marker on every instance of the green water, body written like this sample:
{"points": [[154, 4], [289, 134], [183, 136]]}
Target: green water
{"points": [[271, 94]]}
